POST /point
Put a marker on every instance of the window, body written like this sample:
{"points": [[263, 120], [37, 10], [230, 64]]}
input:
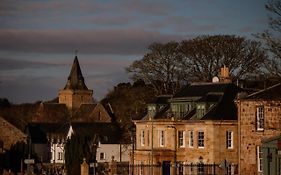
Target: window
{"points": [[180, 110], [190, 144], [259, 158], [161, 138], [260, 118], [60, 155], [200, 110], [148, 139], [200, 139], [102, 156], [151, 111], [181, 139], [229, 139], [142, 137]]}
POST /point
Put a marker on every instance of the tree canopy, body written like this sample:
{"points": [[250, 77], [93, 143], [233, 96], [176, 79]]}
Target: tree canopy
{"points": [[160, 68], [170, 65], [76, 149], [205, 55], [272, 37]]}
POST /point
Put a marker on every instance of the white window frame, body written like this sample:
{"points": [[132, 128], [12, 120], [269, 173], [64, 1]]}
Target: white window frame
{"points": [[161, 138], [191, 139], [260, 118], [142, 137], [181, 139], [259, 159], [229, 139], [201, 139]]}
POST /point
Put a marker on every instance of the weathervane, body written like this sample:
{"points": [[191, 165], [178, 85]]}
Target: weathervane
{"points": [[76, 52]]}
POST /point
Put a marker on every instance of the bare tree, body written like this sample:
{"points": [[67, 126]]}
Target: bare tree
{"points": [[160, 68], [205, 55], [272, 37]]}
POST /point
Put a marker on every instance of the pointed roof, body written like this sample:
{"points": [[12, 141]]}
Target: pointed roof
{"points": [[75, 79]]}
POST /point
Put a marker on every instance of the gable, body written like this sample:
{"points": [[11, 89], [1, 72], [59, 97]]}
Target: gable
{"points": [[10, 134], [100, 114]]}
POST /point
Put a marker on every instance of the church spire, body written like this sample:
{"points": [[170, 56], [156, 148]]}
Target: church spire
{"points": [[75, 91], [75, 79]]}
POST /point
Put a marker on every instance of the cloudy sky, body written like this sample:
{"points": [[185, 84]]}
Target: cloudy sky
{"points": [[38, 38]]}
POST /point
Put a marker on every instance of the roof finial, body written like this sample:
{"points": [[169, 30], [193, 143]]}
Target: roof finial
{"points": [[76, 52]]}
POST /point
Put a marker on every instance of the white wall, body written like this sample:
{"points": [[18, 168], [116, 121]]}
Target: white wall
{"points": [[57, 151], [110, 150]]}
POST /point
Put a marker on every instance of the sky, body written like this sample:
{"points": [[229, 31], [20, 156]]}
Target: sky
{"points": [[38, 38]]}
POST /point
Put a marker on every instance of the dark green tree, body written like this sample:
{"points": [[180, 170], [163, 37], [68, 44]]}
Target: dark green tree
{"points": [[16, 155], [128, 101], [79, 147]]}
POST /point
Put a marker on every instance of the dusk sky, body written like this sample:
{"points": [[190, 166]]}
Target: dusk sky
{"points": [[38, 38]]}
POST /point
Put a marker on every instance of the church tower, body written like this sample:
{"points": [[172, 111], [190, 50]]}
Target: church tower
{"points": [[75, 91]]}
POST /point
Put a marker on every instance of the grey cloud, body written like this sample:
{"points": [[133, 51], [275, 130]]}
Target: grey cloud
{"points": [[13, 64], [111, 41]]}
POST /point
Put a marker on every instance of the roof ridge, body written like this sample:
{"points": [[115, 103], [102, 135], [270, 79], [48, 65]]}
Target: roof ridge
{"points": [[263, 90]]}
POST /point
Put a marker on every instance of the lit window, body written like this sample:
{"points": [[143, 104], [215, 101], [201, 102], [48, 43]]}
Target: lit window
{"points": [[142, 137], [161, 138], [200, 139], [259, 158], [181, 138], [190, 144], [229, 139], [260, 118]]}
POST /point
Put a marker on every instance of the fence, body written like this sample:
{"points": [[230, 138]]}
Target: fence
{"points": [[179, 169]]}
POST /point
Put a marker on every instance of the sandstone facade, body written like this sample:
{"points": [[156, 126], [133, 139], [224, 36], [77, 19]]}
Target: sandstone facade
{"points": [[250, 136]]}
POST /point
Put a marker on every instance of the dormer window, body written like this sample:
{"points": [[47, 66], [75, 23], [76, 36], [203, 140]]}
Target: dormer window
{"points": [[151, 110], [180, 109], [201, 110]]}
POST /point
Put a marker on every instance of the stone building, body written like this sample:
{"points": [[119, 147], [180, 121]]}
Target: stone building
{"points": [[10, 134], [46, 125], [197, 125], [75, 110], [259, 119]]}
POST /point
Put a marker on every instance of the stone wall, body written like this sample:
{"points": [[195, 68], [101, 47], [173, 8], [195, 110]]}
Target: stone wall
{"points": [[9, 134], [250, 137]]}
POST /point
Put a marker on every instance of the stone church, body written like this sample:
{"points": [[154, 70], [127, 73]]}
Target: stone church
{"points": [[73, 111]]}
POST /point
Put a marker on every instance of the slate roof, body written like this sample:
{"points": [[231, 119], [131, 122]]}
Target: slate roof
{"points": [[201, 89], [221, 95], [75, 79], [83, 113], [271, 93], [162, 99], [39, 132], [109, 133], [51, 113]]}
